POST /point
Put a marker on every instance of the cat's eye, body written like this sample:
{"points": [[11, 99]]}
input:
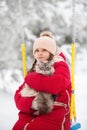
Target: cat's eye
{"points": [[42, 68], [47, 68]]}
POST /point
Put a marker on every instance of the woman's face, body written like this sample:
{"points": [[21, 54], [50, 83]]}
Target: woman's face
{"points": [[41, 54]]}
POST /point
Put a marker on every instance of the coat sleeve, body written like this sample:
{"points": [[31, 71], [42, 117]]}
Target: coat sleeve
{"points": [[53, 84], [23, 103]]}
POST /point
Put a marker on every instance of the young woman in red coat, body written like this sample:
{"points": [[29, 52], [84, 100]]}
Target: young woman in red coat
{"points": [[57, 84]]}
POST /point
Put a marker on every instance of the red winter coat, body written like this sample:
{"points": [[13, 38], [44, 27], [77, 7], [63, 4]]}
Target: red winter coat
{"points": [[58, 83]]}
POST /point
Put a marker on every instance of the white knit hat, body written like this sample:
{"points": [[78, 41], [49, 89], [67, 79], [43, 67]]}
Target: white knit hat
{"points": [[45, 41]]}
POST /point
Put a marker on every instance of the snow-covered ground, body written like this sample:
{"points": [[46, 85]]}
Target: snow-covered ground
{"points": [[81, 97], [8, 111], [81, 93]]}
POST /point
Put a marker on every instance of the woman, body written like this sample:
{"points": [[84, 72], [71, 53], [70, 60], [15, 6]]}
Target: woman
{"points": [[59, 83]]}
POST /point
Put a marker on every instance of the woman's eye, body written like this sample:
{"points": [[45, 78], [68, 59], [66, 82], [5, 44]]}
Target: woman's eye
{"points": [[44, 50], [37, 51]]}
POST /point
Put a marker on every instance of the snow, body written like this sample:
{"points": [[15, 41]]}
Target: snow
{"points": [[9, 112], [3, 7], [81, 96]]}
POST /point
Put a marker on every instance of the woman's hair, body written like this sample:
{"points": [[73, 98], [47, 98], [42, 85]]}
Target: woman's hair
{"points": [[42, 34]]}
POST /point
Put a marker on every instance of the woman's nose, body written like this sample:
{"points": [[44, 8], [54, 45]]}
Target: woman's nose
{"points": [[40, 53]]}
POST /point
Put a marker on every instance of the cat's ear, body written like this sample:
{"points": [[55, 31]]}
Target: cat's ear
{"points": [[50, 62]]}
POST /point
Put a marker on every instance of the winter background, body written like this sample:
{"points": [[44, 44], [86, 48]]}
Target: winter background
{"points": [[39, 15]]}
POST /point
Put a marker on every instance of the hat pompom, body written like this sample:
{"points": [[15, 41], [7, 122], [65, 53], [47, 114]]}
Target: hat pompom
{"points": [[47, 33]]}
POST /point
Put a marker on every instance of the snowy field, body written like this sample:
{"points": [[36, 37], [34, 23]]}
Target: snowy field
{"points": [[8, 111]]}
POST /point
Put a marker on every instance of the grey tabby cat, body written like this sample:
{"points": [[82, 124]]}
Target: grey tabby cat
{"points": [[43, 102]]}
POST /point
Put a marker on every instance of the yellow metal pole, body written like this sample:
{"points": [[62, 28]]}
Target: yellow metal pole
{"points": [[73, 105], [24, 59]]}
